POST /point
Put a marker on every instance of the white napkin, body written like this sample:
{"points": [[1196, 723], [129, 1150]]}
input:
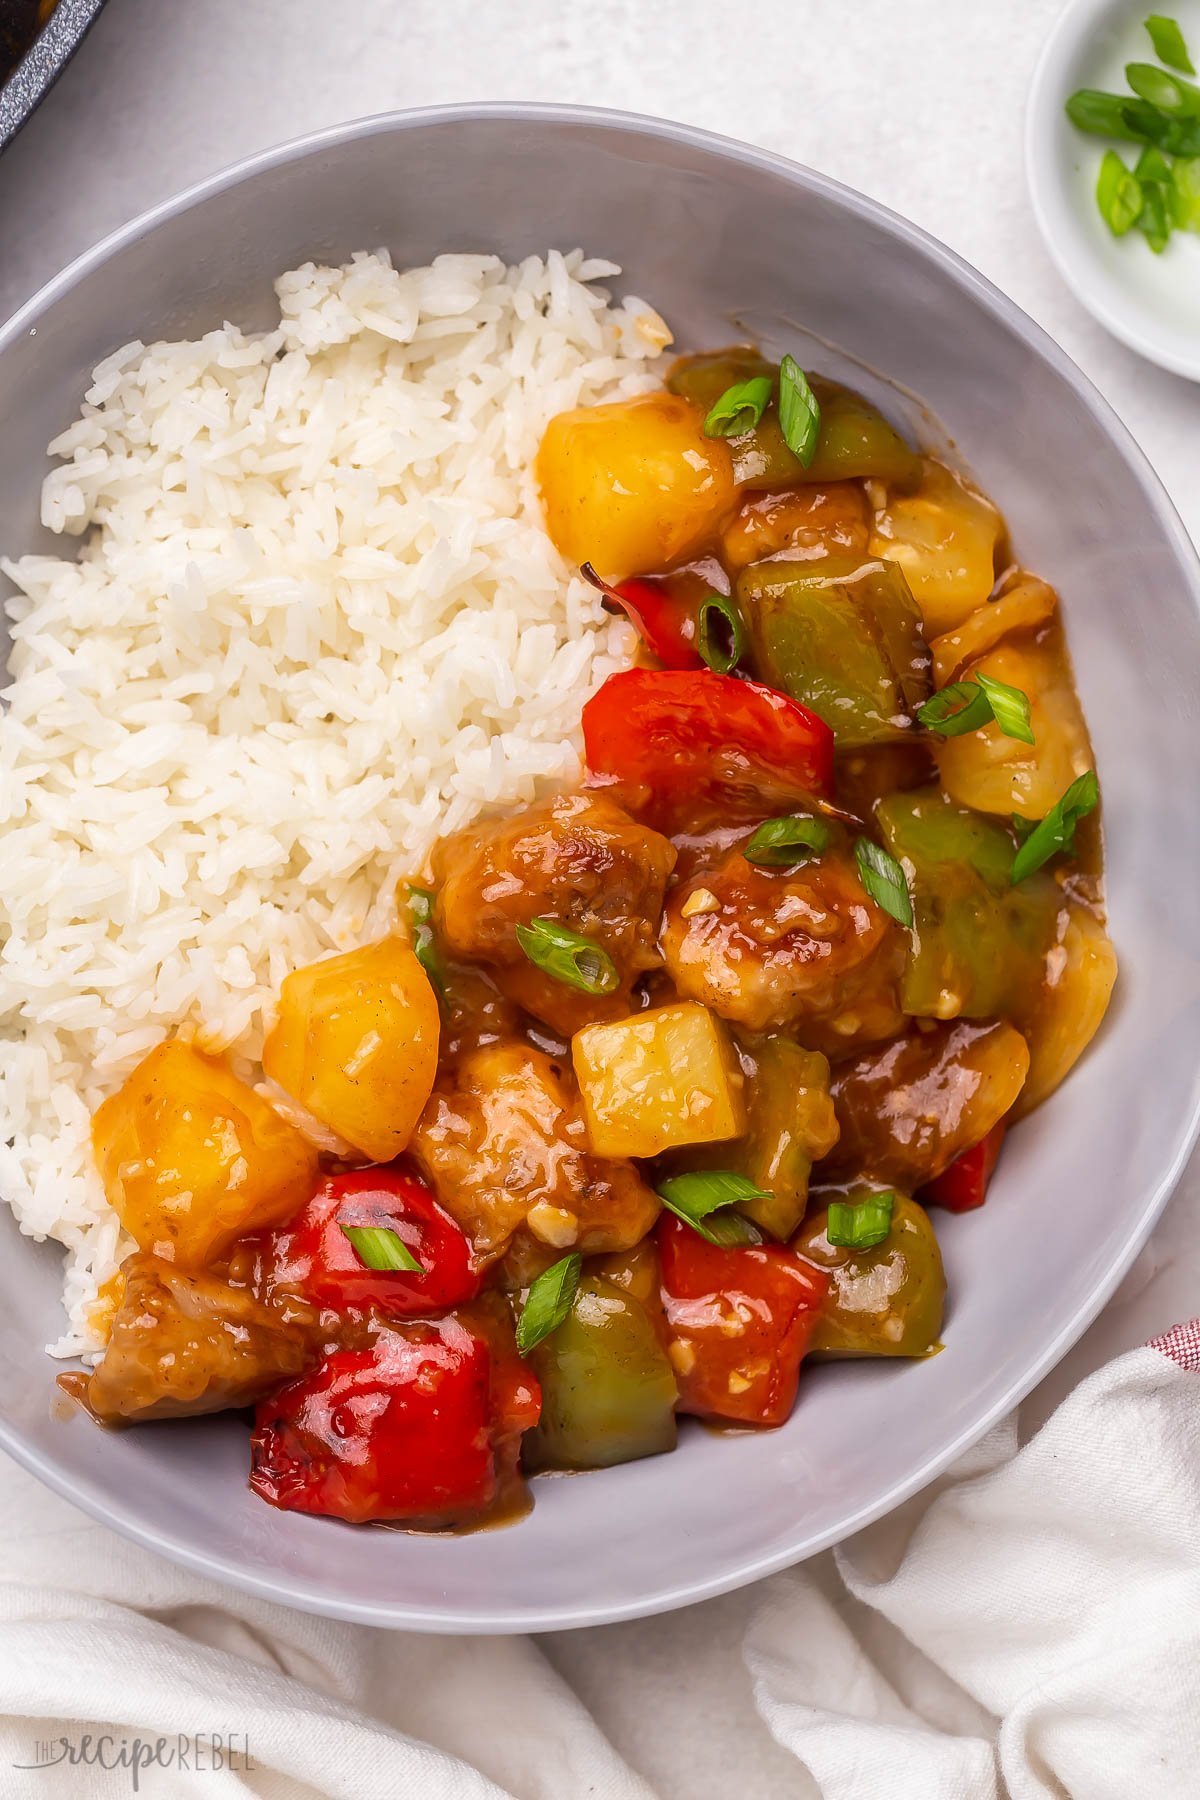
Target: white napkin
{"points": [[1029, 1627]]}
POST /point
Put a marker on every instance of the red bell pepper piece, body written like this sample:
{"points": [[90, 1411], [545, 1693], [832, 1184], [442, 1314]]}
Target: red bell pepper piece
{"points": [[424, 1426], [666, 622], [313, 1257], [740, 1321], [692, 734], [963, 1185]]}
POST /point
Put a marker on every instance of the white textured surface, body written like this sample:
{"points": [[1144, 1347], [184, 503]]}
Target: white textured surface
{"points": [[919, 105]]}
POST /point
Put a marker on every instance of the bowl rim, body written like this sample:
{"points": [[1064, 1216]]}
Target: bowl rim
{"points": [[94, 1498], [1043, 104]]}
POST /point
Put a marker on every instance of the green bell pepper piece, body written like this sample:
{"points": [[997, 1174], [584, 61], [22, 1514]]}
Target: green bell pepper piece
{"points": [[843, 636], [855, 440], [608, 1390], [886, 1301], [979, 944], [790, 1125]]}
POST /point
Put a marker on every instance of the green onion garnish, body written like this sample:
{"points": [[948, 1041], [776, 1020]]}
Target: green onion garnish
{"points": [[1169, 46], [963, 706], [1154, 220], [739, 408], [1104, 115], [379, 1247], [799, 411], [1010, 708], [1184, 197], [1152, 165], [859, 1224], [720, 634], [548, 1301], [884, 880], [568, 956], [1172, 95], [696, 1196], [1057, 830], [781, 843], [419, 905], [1118, 195]]}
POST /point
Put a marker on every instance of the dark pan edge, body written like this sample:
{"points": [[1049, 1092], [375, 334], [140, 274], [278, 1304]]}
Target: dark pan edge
{"points": [[43, 63]]}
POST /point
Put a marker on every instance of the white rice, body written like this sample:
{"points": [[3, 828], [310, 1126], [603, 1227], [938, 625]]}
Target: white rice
{"points": [[316, 621]]}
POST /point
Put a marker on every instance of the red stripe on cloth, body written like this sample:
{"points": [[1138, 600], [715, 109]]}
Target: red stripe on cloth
{"points": [[1181, 1344]]}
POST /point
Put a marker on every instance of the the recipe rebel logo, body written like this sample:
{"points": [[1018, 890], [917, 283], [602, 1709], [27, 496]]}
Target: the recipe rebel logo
{"points": [[204, 1752]]}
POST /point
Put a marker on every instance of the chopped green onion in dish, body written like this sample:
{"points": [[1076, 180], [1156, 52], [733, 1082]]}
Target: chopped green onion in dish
{"points": [[1057, 830], [379, 1247], [1169, 46], [720, 634], [1154, 220], [1103, 115], [1184, 197], [799, 411], [1118, 195], [696, 1197], [1010, 708], [739, 408], [420, 912], [569, 957], [884, 880], [970, 705], [549, 1300], [1169, 93], [859, 1224], [782, 843], [1162, 113]]}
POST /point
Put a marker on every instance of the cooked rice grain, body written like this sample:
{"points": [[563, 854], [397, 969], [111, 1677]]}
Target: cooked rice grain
{"points": [[315, 621]]}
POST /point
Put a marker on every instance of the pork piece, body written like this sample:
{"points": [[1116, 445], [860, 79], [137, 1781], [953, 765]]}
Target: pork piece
{"points": [[185, 1343], [803, 950], [910, 1107], [504, 1144], [579, 860]]}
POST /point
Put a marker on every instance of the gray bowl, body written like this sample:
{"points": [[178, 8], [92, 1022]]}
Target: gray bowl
{"points": [[726, 241]]}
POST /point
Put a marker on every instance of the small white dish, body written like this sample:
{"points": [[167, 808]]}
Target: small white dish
{"points": [[1152, 303]]}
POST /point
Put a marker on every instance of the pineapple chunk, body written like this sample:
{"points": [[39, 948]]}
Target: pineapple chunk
{"points": [[944, 537], [659, 1080], [356, 1043], [191, 1158]]}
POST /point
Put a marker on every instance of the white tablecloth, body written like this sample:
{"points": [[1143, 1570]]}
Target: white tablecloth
{"points": [[920, 105]]}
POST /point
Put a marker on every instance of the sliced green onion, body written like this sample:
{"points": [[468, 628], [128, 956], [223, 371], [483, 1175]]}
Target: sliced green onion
{"points": [[1010, 708], [1169, 46], [799, 411], [696, 1196], [739, 408], [1154, 221], [419, 905], [1152, 165], [781, 843], [1104, 115], [1178, 137], [549, 1300], [860, 1224], [1172, 95], [1118, 195], [963, 706], [379, 1247], [884, 880], [1184, 196], [569, 957], [1023, 827], [720, 634], [1057, 830]]}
